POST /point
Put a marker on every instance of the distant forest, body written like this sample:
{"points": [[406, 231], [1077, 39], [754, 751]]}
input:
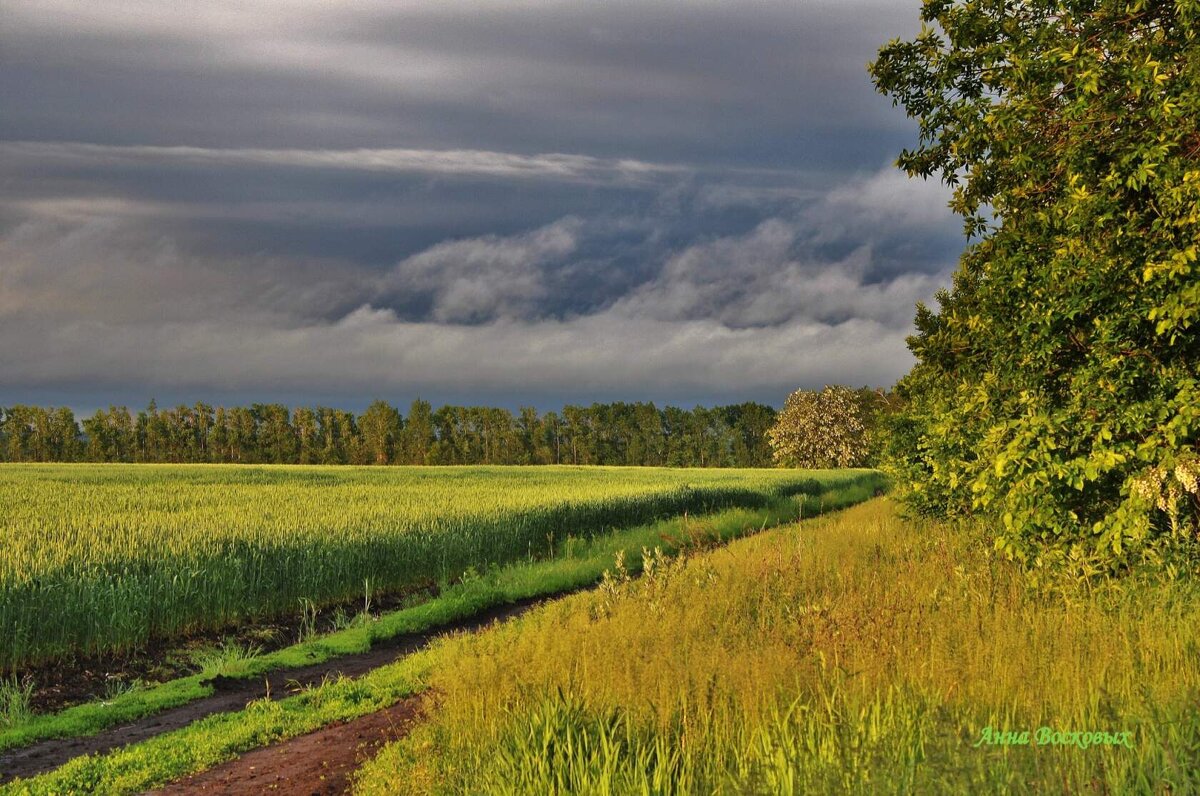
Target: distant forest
{"points": [[612, 434]]}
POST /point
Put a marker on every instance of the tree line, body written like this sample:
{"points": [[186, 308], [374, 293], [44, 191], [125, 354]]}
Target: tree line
{"points": [[604, 434]]}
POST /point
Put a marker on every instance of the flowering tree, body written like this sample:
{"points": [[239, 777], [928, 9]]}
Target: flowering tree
{"points": [[820, 429]]}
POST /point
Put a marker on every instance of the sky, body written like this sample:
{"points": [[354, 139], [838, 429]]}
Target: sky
{"points": [[478, 202]]}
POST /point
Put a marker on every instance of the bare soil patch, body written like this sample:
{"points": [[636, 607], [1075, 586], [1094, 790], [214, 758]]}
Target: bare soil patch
{"points": [[317, 764]]}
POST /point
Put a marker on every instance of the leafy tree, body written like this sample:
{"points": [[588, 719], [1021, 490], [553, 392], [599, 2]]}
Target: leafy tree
{"points": [[380, 429], [451, 446], [551, 439], [749, 424], [416, 437], [820, 429], [329, 430], [276, 437], [219, 440], [576, 430], [21, 426], [152, 434], [635, 434], [243, 436], [110, 436], [202, 427], [304, 421], [527, 430], [1057, 383]]}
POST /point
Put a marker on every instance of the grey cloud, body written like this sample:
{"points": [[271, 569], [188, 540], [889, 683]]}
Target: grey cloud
{"points": [[891, 199], [480, 279], [605, 198], [103, 269], [601, 352], [763, 82], [764, 279], [450, 163]]}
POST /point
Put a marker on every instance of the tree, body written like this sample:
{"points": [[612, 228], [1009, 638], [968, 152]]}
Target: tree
{"points": [[304, 420], [110, 436], [380, 429], [329, 430], [1057, 386], [527, 425], [276, 437], [552, 438], [576, 431], [820, 429], [20, 428], [243, 436], [451, 446], [749, 424], [219, 441], [152, 432], [202, 428]]}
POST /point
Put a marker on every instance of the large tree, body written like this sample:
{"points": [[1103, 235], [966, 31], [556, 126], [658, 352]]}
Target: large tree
{"points": [[821, 429], [417, 435], [380, 427], [1057, 383]]}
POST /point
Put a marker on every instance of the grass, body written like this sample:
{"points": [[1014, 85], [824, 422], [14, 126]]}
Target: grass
{"points": [[223, 736], [865, 654], [229, 659], [14, 702], [103, 558], [577, 563]]}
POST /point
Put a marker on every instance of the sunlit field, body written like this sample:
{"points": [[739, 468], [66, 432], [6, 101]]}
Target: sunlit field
{"points": [[856, 653], [104, 557]]}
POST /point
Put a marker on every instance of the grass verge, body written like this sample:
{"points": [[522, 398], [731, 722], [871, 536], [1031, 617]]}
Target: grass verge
{"points": [[866, 655]]}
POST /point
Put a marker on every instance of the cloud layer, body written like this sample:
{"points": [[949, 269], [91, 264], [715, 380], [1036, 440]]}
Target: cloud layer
{"points": [[512, 201]]}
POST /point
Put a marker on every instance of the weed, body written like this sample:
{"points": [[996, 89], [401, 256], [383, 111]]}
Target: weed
{"points": [[15, 696]]}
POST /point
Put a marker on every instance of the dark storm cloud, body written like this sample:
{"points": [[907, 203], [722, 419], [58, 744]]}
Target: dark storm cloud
{"points": [[533, 200], [748, 83]]}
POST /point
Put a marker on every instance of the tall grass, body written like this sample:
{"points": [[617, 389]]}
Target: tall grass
{"points": [[860, 654], [15, 695], [104, 557]]}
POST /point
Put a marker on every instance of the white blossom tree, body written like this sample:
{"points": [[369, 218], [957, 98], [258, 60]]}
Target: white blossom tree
{"points": [[820, 429]]}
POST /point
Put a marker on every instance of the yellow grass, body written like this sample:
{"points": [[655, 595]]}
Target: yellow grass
{"points": [[857, 652]]}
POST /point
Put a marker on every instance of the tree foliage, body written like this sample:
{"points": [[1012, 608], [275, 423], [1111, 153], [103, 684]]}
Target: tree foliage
{"points": [[822, 429], [1057, 386], [609, 434]]}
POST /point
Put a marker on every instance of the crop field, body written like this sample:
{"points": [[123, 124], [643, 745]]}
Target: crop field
{"points": [[103, 558]]}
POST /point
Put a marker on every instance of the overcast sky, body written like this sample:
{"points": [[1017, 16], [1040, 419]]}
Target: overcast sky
{"points": [[478, 201]]}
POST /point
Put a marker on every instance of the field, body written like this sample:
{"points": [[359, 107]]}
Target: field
{"points": [[103, 558], [858, 652]]}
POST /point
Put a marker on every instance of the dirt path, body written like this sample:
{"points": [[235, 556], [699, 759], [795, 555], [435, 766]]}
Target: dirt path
{"points": [[319, 763], [234, 694]]}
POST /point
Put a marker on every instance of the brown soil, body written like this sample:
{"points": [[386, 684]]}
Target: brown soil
{"points": [[72, 681], [234, 694], [318, 763]]}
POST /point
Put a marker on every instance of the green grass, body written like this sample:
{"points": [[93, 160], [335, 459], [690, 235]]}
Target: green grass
{"points": [[14, 702], [222, 737], [576, 563], [103, 558], [863, 654]]}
